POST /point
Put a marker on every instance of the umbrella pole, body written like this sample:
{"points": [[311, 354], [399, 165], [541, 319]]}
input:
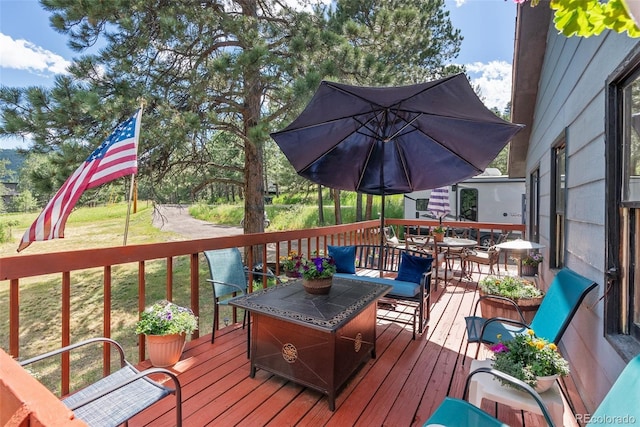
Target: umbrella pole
{"points": [[382, 237]]}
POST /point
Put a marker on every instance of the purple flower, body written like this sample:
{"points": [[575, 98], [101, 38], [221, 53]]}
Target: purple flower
{"points": [[499, 348]]}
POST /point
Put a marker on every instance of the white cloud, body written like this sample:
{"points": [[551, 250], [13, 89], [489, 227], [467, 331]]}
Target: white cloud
{"points": [[494, 80], [24, 55]]}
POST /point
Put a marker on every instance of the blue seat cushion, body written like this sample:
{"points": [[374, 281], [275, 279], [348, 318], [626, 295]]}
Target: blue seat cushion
{"points": [[400, 288], [345, 258], [412, 267]]}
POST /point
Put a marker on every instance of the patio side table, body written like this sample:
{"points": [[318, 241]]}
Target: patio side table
{"points": [[485, 386]]}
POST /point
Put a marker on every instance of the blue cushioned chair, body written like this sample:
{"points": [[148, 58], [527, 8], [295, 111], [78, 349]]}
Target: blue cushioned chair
{"points": [[412, 287], [119, 396], [228, 278], [619, 406], [558, 306]]}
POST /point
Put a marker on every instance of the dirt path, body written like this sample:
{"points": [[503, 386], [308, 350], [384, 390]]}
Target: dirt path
{"points": [[176, 218]]}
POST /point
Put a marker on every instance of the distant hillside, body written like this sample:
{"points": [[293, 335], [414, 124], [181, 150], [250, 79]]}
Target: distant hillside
{"points": [[14, 157]]}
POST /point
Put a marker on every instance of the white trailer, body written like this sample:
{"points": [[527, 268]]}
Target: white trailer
{"points": [[489, 197]]}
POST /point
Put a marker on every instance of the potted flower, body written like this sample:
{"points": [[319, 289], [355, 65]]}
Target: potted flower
{"points": [[317, 273], [166, 325], [438, 233], [530, 359], [291, 264], [530, 264], [521, 291]]}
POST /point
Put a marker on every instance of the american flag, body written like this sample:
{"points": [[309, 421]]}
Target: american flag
{"points": [[115, 157]]}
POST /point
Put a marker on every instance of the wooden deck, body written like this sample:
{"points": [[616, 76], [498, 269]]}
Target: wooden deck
{"points": [[401, 387]]}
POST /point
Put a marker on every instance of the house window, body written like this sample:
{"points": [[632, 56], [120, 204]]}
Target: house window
{"points": [[622, 322], [558, 202], [630, 204], [533, 208]]}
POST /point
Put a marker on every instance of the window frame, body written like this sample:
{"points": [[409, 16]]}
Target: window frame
{"points": [[558, 218], [617, 221]]}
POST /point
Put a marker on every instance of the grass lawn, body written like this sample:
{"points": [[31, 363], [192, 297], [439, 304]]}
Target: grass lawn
{"points": [[40, 297]]}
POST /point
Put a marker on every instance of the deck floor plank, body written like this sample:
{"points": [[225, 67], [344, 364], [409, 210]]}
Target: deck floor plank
{"points": [[401, 387]]}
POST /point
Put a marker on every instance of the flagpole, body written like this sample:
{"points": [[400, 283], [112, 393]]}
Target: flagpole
{"points": [[126, 224], [133, 180]]}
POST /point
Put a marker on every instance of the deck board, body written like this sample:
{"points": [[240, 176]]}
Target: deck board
{"points": [[401, 387]]}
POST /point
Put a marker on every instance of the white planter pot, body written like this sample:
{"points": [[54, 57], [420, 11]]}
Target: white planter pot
{"points": [[545, 383]]}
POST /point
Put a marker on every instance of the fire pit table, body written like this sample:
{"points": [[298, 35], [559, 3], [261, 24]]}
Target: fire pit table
{"points": [[317, 341]]}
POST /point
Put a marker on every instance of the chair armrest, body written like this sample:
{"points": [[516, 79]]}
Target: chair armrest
{"points": [[239, 288], [74, 346], [273, 276], [139, 375], [499, 298], [516, 383]]}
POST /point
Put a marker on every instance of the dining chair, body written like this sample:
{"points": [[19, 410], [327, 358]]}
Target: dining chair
{"points": [[482, 256]]}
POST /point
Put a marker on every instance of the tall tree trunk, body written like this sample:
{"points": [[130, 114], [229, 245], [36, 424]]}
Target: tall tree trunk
{"points": [[369, 207], [338, 210], [320, 207], [253, 145]]}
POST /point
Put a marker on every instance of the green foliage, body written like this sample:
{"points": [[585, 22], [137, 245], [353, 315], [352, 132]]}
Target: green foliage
{"points": [[166, 318], [205, 127], [297, 215], [509, 286], [587, 18], [526, 357], [5, 231], [25, 202]]}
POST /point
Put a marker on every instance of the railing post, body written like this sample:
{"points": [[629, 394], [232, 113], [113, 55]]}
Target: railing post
{"points": [[14, 318], [195, 288], [141, 307], [66, 329], [106, 325]]}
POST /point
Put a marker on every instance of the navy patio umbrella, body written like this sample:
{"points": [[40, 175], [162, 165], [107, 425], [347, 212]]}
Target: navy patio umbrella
{"points": [[394, 140]]}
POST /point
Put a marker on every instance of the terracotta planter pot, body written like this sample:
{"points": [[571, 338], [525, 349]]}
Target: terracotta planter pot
{"points": [[292, 274], [165, 350], [497, 308], [317, 286], [438, 237]]}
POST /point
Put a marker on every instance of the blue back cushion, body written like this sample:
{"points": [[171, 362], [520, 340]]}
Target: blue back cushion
{"points": [[345, 258], [412, 267]]}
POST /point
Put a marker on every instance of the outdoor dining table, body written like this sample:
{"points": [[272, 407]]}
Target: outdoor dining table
{"points": [[448, 247], [520, 247], [454, 247]]}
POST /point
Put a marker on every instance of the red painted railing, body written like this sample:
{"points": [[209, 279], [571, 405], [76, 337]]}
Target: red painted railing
{"points": [[272, 245]]}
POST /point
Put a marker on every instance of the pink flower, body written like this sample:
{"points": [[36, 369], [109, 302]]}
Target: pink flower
{"points": [[499, 348]]}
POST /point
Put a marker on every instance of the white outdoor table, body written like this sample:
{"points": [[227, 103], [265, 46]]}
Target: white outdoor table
{"points": [[519, 246], [455, 243], [485, 386]]}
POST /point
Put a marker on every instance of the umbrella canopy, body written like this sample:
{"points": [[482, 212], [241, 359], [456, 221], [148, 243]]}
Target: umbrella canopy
{"points": [[394, 140], [439, 203]]}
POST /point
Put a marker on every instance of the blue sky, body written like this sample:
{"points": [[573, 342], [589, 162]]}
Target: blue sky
{"points": [[32, 53]]}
